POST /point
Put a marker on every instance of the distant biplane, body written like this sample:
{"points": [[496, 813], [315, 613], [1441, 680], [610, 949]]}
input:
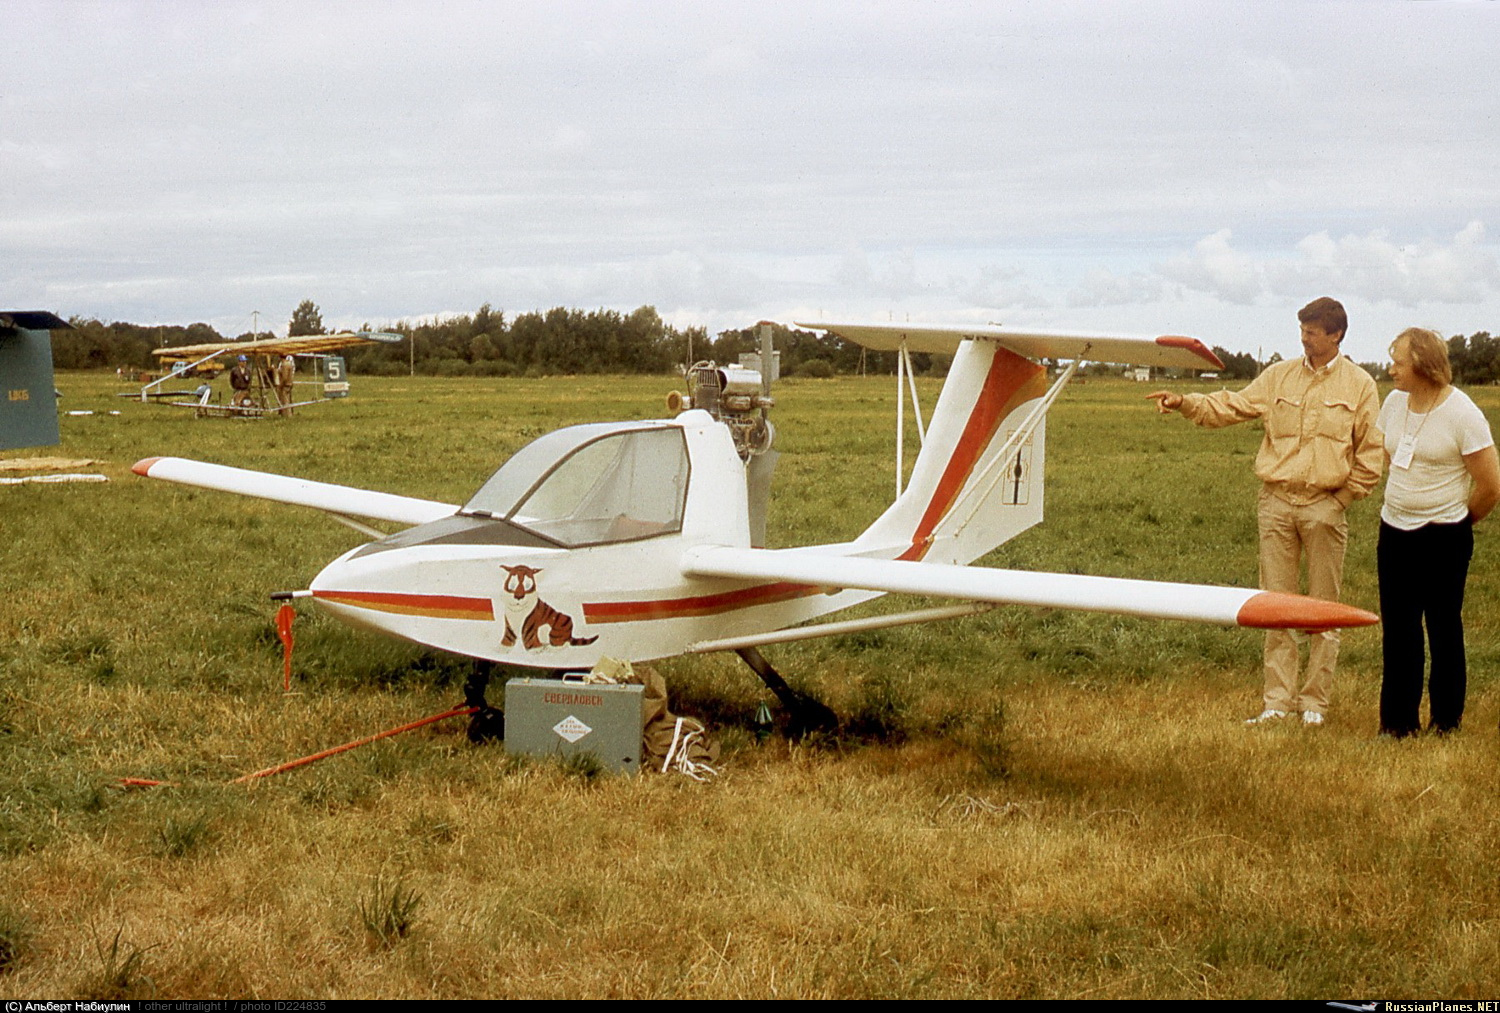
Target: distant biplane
{"points": [[638, 540], [261, 360]]}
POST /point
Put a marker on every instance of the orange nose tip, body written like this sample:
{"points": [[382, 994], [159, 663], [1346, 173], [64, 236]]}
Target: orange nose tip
{"points": [[1275, 610]]}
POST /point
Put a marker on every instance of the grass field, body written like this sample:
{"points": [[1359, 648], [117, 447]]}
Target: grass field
{"points": [[1057, 805]]}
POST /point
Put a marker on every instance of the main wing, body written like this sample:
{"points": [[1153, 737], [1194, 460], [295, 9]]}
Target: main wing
{"points": [[303, 344], [1225, 606], [340, 500], [1167, 350]]}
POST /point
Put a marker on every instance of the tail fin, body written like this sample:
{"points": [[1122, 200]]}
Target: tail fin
{"points": [[978, 479]]}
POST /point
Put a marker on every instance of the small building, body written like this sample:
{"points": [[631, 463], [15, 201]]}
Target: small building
{"points": [[28, 410], [751, 360]]}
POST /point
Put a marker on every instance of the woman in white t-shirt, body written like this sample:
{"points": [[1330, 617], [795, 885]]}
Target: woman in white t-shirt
{"points": [[1443, 476]]}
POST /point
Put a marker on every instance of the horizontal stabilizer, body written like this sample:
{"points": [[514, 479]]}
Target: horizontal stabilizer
{"points": [[337, 499], [1168, 350], [1226, 606]]}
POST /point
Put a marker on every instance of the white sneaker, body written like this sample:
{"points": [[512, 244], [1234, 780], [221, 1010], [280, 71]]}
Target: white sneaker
{"points": [[1312, 718], [1265, 716]]}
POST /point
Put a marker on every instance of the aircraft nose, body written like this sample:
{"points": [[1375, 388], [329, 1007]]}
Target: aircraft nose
{"points": [[343, 589], [387, 592], [334, 575]]}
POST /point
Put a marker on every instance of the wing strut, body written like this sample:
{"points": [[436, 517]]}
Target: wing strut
{"points": [[905, 377], [359, 526], [911, 381], [146, 397], [900, 417], [845, 626]]}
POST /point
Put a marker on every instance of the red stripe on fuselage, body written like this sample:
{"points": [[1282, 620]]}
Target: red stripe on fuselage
{"points": [[433, 606], [695, 605], [1011, 381]]}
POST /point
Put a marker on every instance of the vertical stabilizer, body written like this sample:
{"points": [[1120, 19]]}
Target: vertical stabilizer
{"points": [[978, 479]]}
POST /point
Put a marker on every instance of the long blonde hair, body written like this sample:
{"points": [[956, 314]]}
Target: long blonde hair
{"points": [[1429, 354]]}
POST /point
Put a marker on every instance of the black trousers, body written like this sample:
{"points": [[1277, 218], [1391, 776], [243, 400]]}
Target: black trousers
{"points": [[1422, 576]]}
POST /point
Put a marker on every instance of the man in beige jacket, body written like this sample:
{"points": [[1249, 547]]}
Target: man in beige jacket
{"points": [[1321, 451]]}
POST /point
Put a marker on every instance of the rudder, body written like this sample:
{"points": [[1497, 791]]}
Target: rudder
{"points": [[963, 498]]}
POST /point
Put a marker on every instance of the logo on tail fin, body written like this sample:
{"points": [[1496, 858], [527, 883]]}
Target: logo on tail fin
{"points": [[1015, 481]]}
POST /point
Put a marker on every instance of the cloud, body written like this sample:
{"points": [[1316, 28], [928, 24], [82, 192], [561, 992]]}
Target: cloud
{"points": [[1216, 267], [998, 287], [998, 160], [567, 140], [1101, 287], [892, 276], [1371, 267], [1374, 267]]}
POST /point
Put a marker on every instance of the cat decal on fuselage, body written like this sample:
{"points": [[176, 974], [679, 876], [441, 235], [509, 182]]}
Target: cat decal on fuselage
{"points": [[526, 612]]}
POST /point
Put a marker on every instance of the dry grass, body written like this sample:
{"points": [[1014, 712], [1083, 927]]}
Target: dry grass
{"points": [[1073, 810]]}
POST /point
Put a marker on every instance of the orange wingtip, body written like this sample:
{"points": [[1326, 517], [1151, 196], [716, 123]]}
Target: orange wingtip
{"points": [[1193, 345], [1275, 610], [143, 466]]}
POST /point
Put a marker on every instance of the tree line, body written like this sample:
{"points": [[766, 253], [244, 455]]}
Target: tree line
{"points": [[562, 341], [559, 341], [1475, 359]]}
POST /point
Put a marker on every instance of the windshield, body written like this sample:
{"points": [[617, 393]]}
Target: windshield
{"points": [[498, 496], [609, 487]]}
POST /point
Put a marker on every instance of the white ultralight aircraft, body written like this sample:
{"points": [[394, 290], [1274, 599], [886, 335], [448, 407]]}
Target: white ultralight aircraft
{"points": [[633, 540]]}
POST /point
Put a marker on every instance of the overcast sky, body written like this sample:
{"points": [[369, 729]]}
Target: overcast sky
{"points": [[1200, 168]]}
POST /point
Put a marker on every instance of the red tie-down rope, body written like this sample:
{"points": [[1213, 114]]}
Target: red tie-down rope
{"points": [[292, 764], [141, 782], [284, 617]]}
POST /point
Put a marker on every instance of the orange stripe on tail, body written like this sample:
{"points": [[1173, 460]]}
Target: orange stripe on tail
{"points": [[1011, 381]]}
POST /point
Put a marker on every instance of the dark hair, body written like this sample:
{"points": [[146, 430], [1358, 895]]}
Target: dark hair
{"points": [[1325, 313]]}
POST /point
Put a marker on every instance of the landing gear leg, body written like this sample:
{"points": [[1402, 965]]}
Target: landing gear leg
{"points": [[807, 714], [488, 723]]}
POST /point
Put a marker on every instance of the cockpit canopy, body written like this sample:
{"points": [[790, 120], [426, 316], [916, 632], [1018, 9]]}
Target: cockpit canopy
{"points": [[592, 484]]}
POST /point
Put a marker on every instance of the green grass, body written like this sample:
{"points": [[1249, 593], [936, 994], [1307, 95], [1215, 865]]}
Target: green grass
{"points": [[388, 912], [15, 938], [1041, 804], [121, 971]]}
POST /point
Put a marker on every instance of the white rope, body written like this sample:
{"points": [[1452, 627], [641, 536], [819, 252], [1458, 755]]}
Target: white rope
{"points": [[677, 755]]}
